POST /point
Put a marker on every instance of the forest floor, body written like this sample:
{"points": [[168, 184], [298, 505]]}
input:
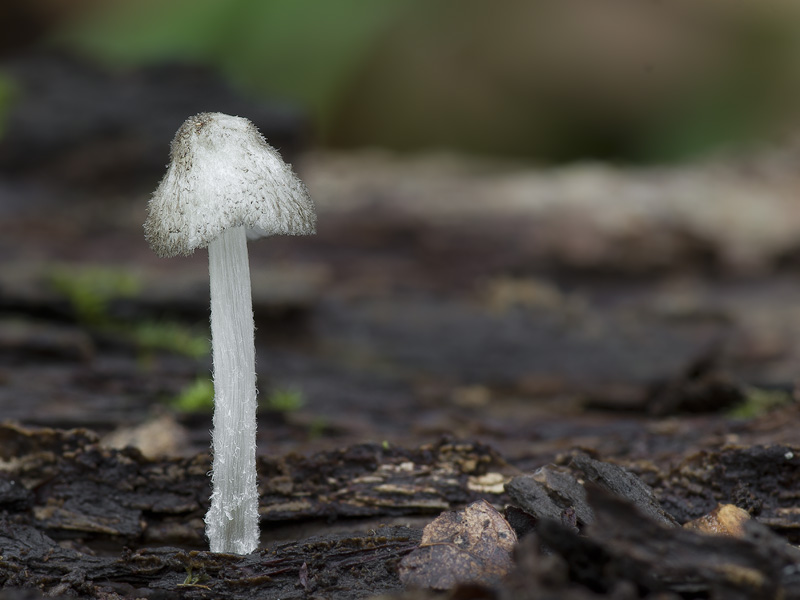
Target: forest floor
{"points": [[458, 330]]}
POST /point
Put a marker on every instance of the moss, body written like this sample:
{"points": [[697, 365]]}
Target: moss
{"points": [[284, 400], [90, 292], [170, 336], [759, 401], [196, 397]]}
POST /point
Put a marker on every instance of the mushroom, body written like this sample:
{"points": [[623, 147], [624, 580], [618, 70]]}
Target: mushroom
{"points": [[223, 184]]}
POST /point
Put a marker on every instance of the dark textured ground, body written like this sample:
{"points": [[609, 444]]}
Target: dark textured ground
{"points": [[454, 324]]}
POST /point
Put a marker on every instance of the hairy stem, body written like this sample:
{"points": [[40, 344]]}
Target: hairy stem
{"points": [[232, 519]]}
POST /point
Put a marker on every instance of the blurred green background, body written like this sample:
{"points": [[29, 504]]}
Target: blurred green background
{"points": [[549, 80]]}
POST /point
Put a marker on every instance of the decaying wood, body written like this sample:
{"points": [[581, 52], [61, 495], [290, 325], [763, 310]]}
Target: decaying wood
{"points": [[70, 485], [764, 480], [342, 563], [79, 519]]}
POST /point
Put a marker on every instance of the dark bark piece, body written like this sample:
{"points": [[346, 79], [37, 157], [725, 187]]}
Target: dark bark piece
{"points": [[547, 575], [567, 490], [30, 558], [682, 559], [623, 544], [533, 498], [522, 522], [589, 564], [555, 493], [622, 482]]}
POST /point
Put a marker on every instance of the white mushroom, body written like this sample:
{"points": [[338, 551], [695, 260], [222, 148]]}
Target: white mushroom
{"points": [[224, 183]]}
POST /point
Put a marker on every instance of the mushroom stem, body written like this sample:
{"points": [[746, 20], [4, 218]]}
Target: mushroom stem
{"points": [[232, 519]]}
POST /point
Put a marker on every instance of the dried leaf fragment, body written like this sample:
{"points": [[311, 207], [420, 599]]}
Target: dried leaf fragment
{"points": [[473, 545]]}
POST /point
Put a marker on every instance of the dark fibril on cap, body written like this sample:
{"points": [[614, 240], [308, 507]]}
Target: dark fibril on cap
{"points": [[222, 173], [223, 184]]}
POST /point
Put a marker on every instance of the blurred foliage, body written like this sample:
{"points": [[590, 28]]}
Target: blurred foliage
{"points": [[199, 397], [318, 428], [554, 80], [304, 51], [172, 337], [759, 401], [284, 400], [90, 291], [8, 95], [196, 397]]}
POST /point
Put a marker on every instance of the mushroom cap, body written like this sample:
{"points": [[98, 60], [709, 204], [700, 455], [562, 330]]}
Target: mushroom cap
{"points": [[221, 174]]}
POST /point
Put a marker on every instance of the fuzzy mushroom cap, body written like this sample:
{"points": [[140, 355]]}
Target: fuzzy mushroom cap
{"points": [[221, 174]]}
